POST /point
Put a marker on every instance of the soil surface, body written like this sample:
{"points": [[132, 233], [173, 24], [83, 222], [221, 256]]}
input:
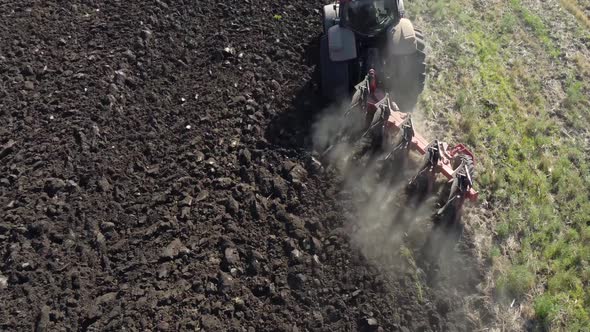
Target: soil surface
{"points": [[155, 175]]}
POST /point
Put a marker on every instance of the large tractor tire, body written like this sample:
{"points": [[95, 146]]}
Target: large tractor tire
{"points": [[407, 65]]}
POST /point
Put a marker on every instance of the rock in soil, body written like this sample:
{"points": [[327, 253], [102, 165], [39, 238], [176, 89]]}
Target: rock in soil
{"points": [[3, 282], [174, 249]]}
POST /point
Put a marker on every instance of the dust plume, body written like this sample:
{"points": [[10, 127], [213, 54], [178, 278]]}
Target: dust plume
{"points": [[391, 228]]}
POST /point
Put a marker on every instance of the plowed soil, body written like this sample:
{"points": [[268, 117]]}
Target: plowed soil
{"points": [[155, 175]]}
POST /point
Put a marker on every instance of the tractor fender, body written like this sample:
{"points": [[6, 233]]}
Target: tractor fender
{"points": [[341, 43], [403, 41]]}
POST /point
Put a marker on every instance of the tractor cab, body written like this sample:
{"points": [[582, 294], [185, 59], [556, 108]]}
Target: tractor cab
{"points": [[369, 18], [360, 35]]}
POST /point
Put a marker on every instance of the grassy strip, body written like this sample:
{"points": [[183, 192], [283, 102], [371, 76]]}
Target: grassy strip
{"points": [[574, 8], [535, 23], [534, 173]]}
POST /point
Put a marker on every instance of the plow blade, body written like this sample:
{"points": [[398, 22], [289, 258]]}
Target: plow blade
{"points": [[443, 162], [455, 164]]}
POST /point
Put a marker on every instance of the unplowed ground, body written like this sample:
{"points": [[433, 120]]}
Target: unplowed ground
{"points": [[154, 176]]}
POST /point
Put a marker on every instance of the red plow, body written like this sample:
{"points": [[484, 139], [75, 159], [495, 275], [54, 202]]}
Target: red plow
{"points": [[374, 123]]}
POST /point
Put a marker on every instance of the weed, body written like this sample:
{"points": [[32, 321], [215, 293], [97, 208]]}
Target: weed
{"points": [[575, 96], [517, 282], [545, 308], [495, 252], [503, 229]]}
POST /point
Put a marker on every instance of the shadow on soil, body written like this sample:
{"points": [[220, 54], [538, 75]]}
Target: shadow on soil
{"points": [[291, 130]]}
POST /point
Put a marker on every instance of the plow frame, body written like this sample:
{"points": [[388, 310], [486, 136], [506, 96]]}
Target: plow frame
{"points": [[396, 121]]}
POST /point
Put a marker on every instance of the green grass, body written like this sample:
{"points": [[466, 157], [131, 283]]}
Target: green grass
{"points": [[577, 10], [536, 24], [534, 174], [408, 256], [518, 281], [546, 308]]}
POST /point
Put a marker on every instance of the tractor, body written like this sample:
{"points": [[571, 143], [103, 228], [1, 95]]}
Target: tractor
{"points": [[372, 56], [359, 35]]}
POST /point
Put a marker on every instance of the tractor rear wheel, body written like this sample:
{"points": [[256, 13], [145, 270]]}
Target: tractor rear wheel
{"points": [[409, 76], [407, 64]]}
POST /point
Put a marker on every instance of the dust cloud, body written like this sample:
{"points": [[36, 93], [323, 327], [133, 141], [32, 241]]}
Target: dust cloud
{"points": [[392, 229], [385, 218]]}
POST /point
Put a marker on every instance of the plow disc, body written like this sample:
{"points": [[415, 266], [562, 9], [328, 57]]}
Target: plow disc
{"points": [[374, 125]]}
